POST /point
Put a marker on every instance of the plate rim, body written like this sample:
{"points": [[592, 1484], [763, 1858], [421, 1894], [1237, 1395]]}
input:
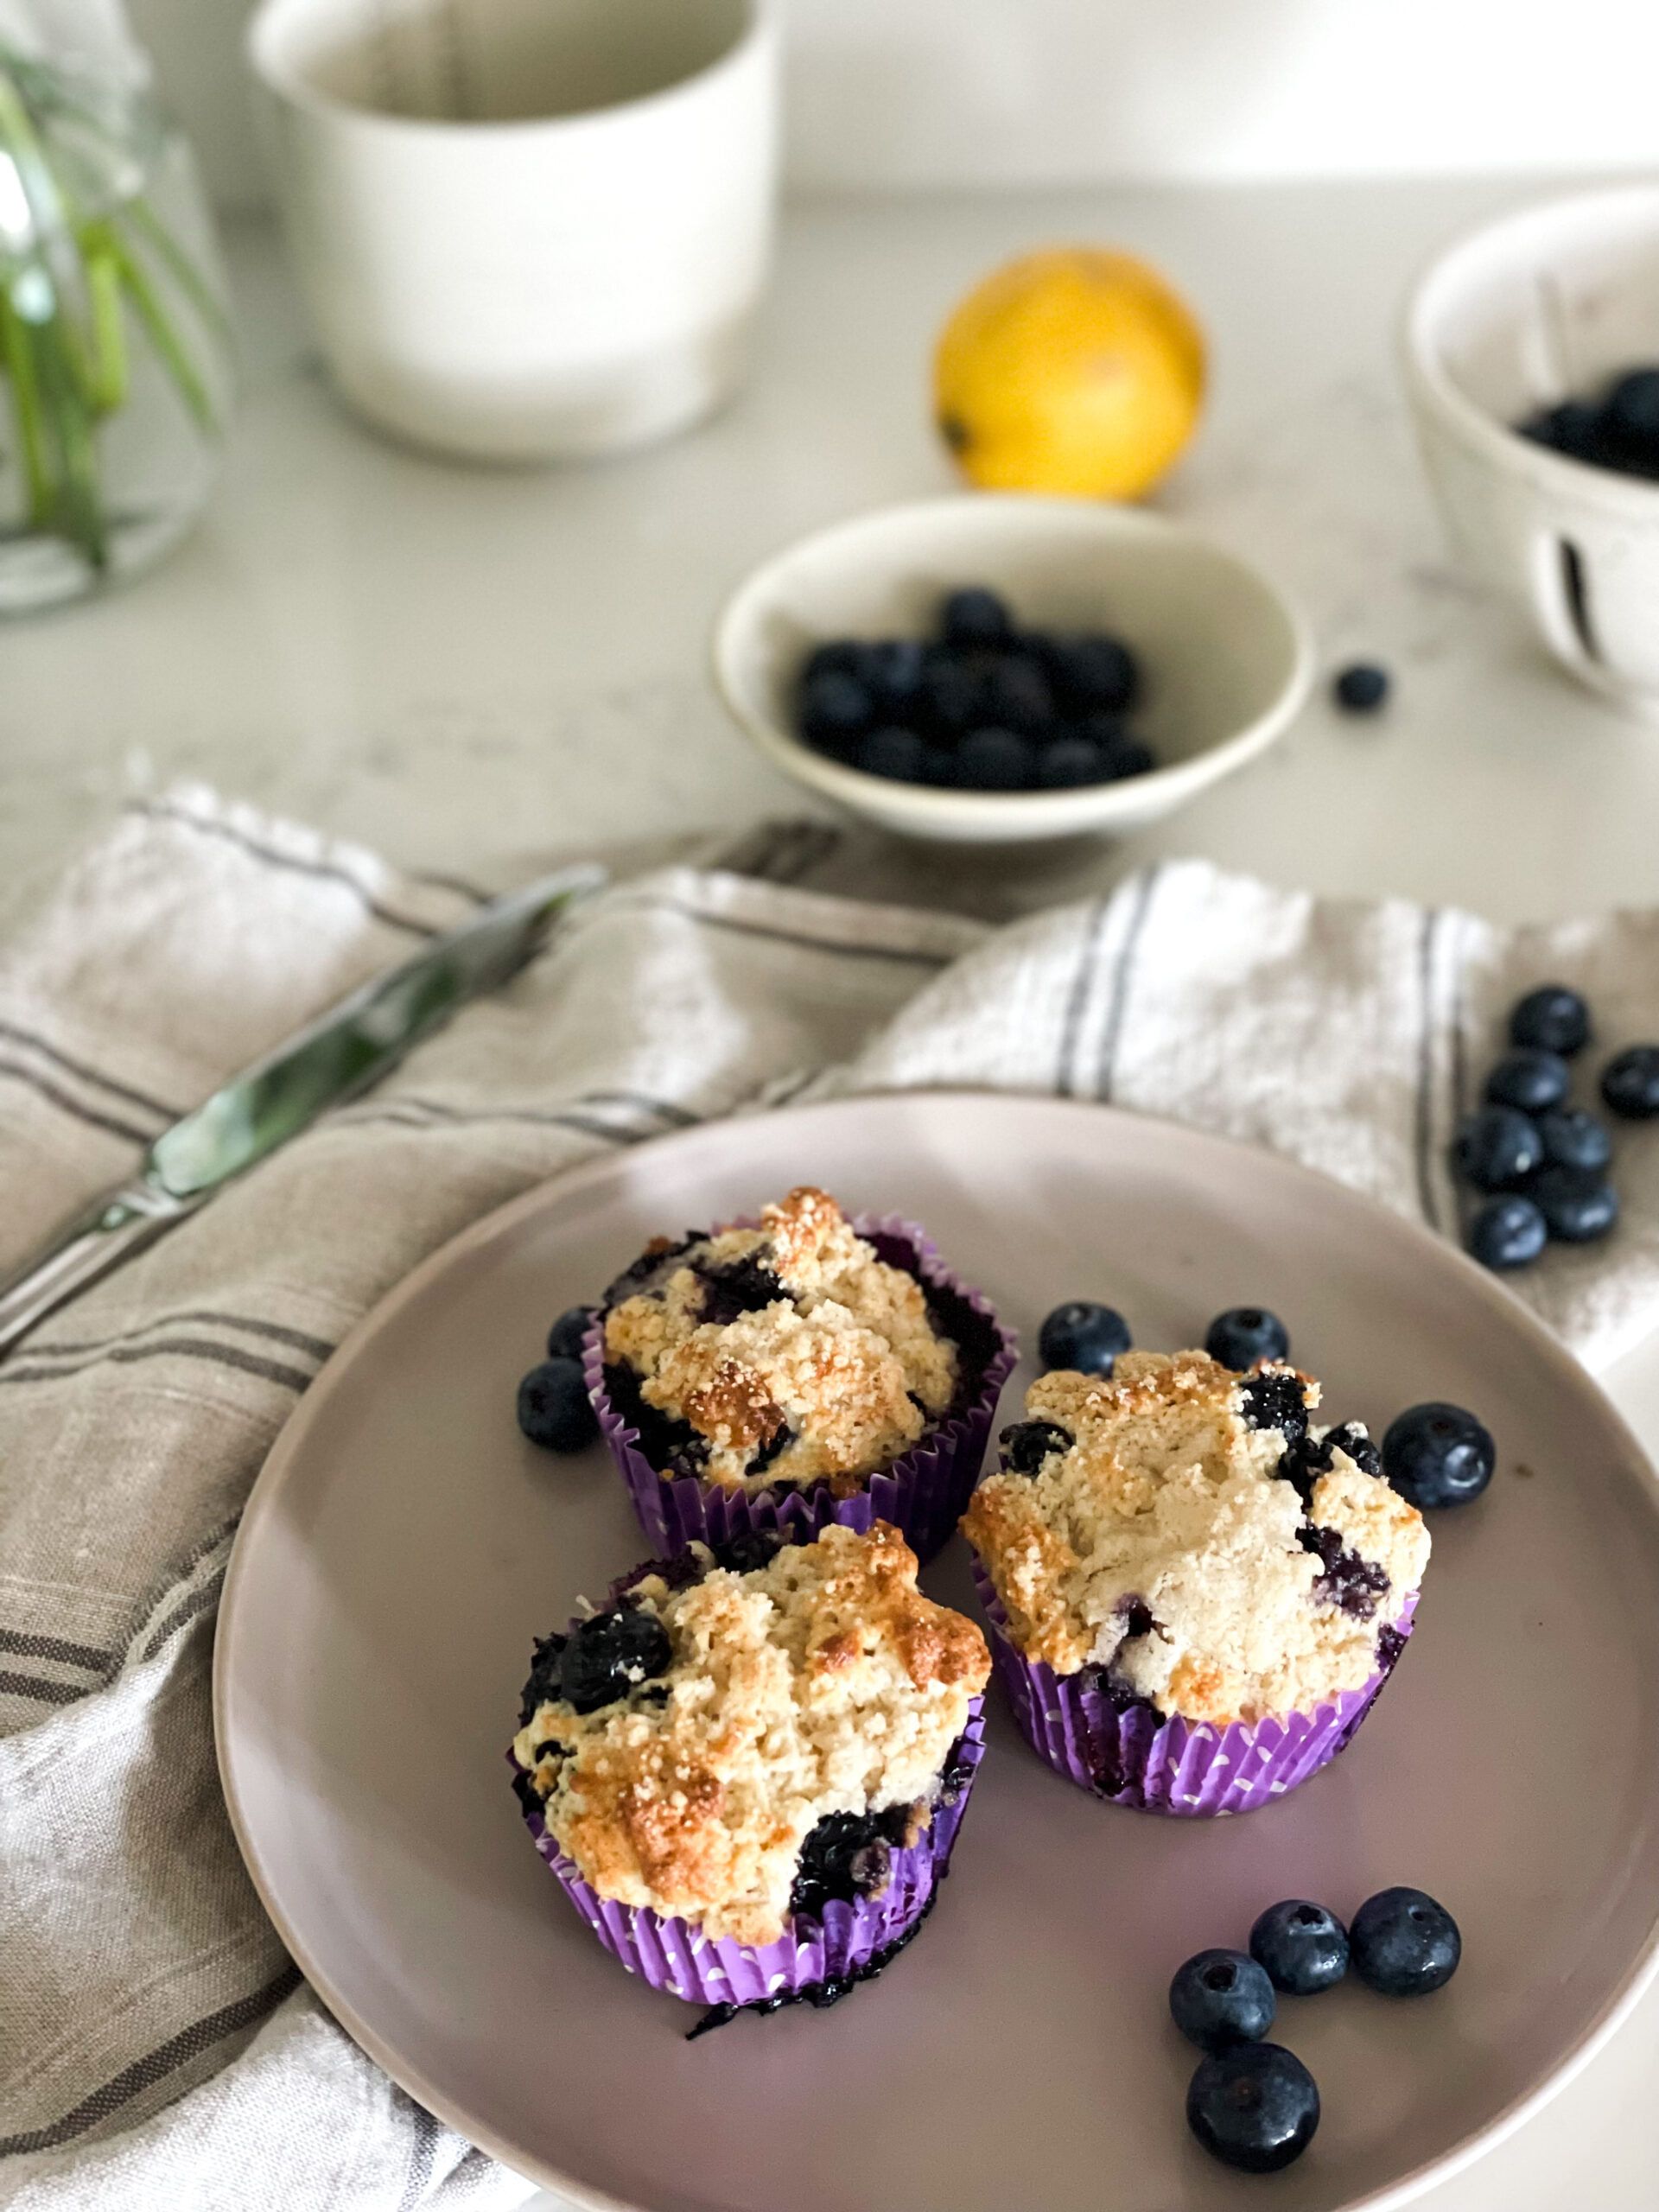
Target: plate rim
{"points": [[268, 1483]]}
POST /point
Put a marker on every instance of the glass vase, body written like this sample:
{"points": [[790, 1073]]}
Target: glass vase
{"points": [[115, 375]]}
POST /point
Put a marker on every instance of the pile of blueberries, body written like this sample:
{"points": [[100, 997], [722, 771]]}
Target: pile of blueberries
{"points": [[984, 706], [1541, 1162], [1434, 1454], [1252, 2103], [1619, 430], [554, 1408]]}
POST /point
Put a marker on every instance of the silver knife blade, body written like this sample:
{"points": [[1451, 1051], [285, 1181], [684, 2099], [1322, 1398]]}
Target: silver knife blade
{"points": [[335, 1058], [352, 1044]]}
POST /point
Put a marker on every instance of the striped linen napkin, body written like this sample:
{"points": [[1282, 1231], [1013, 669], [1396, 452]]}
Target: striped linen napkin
{"points": [[158, 2051]]}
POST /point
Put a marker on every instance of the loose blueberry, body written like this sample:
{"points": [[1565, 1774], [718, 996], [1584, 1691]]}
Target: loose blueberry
{"points": [[1069, 763], [976, 617], [1302, 1946], [1630, 412], [1220, 1998], [1630, 1083], [1016, 696], [892, 667], [1552, 1019], [611, 1654], [1437, 1454], [565, 1337], [994, 760], [1129, 757], [1577, 1204], [1026, 1444], [1094, 674], [1255, 2107], [1403, 1943], [1107, 731], [1361, 689], [897, 755], [835, 710], [1244, 1334], [938, 761], [1571, 1138], [835, 657], [1498, 1147], [1530, 1081], [1083, 1338], [950, 694], [1508, 1232], [1575, 427], [554, 1407]]}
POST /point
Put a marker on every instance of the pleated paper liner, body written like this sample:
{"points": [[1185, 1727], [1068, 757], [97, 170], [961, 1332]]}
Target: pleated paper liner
{"points": [[1192, 1769], [838, 1944]]}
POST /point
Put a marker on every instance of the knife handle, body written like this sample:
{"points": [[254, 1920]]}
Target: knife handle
{"points": [[110, 1231]]}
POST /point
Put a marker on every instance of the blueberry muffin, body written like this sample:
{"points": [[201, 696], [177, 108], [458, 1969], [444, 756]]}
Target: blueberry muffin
{"points": [[749, 1778], [802, 1369], [1181, 1558]]}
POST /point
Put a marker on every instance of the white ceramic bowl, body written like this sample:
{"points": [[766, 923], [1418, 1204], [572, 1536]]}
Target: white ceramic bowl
{"points": [[1546, 305], [1226, 659]]}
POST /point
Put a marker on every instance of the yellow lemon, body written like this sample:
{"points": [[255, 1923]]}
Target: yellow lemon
{"points": [[1074, 371]]}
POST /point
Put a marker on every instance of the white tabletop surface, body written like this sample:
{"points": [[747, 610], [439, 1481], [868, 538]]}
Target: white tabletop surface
{"points": [[480, 673]]}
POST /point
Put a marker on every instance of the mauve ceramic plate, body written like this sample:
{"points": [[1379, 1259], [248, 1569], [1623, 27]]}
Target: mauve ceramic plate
{"points": [[404, 1545]]}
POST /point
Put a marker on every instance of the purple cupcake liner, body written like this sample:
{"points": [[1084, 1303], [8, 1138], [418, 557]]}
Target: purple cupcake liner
{"points": [[675, 1955], [1191, 1769], [923, 1494]]}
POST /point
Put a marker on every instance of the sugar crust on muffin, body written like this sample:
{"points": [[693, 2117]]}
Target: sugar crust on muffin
{"points": [[1158, 1540], [823, 1683], [831, 1379]]}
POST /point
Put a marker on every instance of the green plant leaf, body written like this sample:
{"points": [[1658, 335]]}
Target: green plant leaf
{"points": [[168, 349], [17, 358], [179, 266], [108, 363]]}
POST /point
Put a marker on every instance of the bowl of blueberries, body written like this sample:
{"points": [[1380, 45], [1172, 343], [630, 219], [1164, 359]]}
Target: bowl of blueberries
{"points": [[997, 670], [1530, 351]]}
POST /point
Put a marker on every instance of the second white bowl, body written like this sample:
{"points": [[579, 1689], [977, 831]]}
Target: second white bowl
{"points": [[1546, 305], [1226, 659]]}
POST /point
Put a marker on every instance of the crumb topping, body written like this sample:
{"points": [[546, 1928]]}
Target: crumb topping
{"points": [[1164, 1537], [823, 1683], [794, 1344]]}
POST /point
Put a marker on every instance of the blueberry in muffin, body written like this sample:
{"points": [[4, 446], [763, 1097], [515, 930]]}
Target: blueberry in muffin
{"points": [[774, 1755]]}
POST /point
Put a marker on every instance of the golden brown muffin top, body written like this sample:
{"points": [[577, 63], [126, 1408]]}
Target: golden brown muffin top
{"points": [[843, 1364], [1156, 1538], [822, 1682]]}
